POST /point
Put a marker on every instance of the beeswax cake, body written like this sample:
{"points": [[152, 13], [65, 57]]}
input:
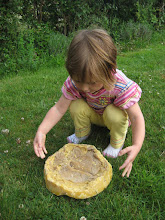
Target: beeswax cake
{"points": [[77, 170]]}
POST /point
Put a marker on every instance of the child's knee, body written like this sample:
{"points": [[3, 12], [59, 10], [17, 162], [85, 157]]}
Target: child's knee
{"points": [[78, 106], [115, 115]]}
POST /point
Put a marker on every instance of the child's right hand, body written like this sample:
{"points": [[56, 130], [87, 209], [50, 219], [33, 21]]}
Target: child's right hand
{"points": [[39, 144]]}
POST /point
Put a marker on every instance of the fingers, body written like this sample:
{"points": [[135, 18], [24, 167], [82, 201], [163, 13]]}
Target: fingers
{"points": [[45, 151], [42, 149], [127, 170], [132, 152], [41, 152], [39, 145], [36, 149], [127, 161], [124, 151]]}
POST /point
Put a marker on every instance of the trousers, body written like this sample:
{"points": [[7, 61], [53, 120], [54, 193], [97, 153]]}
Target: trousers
{"points": [[115, 119]]}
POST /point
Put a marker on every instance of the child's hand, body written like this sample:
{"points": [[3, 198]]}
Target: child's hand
{"points": [[132, 152], [39, 144]]}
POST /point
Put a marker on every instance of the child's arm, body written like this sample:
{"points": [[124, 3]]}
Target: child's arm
{"points": [[50, 120], [138, 133]]}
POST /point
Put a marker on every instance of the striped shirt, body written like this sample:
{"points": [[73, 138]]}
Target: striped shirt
{"points": [[125, 94]]}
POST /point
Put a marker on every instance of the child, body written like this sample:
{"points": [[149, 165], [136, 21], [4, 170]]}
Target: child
{"points": [[97, 92]]}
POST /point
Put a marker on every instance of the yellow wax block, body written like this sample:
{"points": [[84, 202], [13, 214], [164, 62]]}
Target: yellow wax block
{"points": [[77, 170]]}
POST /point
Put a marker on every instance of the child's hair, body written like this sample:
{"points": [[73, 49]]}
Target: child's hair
{"points": [[92, 55]]}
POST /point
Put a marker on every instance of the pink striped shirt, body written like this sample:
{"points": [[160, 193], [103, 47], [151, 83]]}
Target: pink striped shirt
{"points": [[125, 93]]}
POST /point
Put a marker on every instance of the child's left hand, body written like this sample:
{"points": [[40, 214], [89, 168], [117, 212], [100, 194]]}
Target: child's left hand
{"points": [[132, 152]]}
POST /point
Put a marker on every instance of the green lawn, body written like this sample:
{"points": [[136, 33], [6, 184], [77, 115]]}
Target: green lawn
{"points": [[26, 98]]}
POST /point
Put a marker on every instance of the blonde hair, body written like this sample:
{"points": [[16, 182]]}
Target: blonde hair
{"points": [[92, 55]]}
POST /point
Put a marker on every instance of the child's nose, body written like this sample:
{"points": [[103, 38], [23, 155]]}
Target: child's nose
{"points": [[85, 87]]}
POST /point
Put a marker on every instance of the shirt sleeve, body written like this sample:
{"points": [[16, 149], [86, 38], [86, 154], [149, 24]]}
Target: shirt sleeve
{"points": [[128, 95], [69, 90]]}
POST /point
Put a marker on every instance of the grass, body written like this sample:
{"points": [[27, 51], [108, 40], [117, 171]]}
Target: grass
{"points": [[26, 98]]}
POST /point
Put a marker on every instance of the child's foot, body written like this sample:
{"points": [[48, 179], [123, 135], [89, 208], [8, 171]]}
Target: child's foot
{"points": [[76, 140], [111, 152]]}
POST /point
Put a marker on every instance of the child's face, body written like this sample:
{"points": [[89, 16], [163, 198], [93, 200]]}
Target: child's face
{"points": [[89, 86]]}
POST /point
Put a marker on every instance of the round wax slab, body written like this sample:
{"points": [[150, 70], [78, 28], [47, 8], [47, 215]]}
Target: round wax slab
{"points": [[77, 170]]}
